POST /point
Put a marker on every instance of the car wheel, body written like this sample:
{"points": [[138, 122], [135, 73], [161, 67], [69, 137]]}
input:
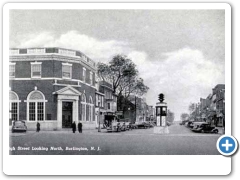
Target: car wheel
{"points": [[202, 131], [216, 131]]}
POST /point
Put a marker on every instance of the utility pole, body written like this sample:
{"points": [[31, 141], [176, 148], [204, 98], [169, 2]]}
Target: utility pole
{"points": [[135, 108]]}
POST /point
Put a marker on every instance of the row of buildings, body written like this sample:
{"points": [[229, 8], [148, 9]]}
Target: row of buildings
{"points": [[212, 108], [56, 86]]}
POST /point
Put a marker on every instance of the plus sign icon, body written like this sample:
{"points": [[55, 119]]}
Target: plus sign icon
{"points": [[227, 145]]}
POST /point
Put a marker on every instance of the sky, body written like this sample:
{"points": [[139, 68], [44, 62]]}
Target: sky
{"points": [[180, 53]]}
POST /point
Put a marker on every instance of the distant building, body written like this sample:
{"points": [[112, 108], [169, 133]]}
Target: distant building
{"points": [[99, 106], [212, 108], [151, 112], [110, 100], [218, 102]]}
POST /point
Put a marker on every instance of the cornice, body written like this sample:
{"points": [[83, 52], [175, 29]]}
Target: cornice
{"points": [[54, 57]]}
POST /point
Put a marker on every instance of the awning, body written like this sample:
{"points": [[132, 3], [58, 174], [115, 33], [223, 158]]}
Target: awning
{"points": [[211, 114]]}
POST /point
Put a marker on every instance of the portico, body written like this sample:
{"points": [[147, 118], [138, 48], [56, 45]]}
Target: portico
{"points": [[70, 95]]}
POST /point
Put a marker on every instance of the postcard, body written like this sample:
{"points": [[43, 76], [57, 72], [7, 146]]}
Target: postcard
{"points": [[135, 87]]}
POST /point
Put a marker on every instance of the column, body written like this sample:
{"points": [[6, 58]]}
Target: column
{"points": [[76, 111], [59, 114]]}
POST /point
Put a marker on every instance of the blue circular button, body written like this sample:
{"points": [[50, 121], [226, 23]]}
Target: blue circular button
{"points": [[227, 145]]}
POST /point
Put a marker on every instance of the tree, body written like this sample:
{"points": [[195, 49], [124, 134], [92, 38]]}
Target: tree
{"points": [[170, 116], [184, 116], [191, 107], [123, 75]]}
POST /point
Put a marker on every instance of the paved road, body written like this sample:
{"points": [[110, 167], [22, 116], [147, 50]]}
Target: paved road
{"points": [[179, 141]]}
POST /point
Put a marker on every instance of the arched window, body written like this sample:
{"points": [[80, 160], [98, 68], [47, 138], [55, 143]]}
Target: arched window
{"points": [[36, 106], [13, 106], [84, 103], [91, 106]]}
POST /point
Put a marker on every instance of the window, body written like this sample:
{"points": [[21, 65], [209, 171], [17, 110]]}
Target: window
{"points": [[91, 78], [66, 70], [13, 107], [14, 111], [12, 70], [84, 75], [102, 101], [32, 111], [109, 106], [36, 106], [36, 69], [97, 100]]}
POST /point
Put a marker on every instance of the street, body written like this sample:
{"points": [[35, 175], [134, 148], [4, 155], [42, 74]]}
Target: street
{"points": [[179, 141]]}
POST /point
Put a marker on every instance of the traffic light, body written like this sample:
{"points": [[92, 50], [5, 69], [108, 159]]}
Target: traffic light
{"points": [[161, 97]]}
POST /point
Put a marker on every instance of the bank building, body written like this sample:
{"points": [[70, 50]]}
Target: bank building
{"points": [[54, 86]]}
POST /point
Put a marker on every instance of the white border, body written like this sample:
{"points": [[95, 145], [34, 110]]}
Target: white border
{"points": [[133, 165]]}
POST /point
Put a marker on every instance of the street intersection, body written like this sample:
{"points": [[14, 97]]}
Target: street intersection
{"points": [[179, 141]]}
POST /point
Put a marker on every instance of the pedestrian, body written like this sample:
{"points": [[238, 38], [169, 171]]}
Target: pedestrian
{"points": [[80, 127], [38, 126], [73, 126]]}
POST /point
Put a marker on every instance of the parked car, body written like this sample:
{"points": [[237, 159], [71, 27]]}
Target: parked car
{"points": [[134, 126], [152, 124], [149, 124], [128, 125], [169, 123], [190, 124], [19, 126], [122, 126], [114, 126], [204, 128], [143, 125]]}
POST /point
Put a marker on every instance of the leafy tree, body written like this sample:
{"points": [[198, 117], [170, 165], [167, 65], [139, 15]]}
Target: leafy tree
{"points": [[184, 116], [191, 107], [123, 75], [170, 116]]}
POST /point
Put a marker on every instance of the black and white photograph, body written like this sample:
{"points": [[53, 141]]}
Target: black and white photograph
{"points": [[116, 81]]}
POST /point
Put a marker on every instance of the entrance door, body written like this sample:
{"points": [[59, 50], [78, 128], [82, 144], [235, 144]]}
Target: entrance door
{"points": [[67, 108]]}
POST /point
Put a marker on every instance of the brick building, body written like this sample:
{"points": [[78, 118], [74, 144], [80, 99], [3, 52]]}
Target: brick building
{"points": [[54, 86], [106, 102]]}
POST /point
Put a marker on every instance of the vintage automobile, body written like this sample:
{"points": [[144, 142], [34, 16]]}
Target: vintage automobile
{"points": [[152, 124], [123, 126], [19, 126], [114, 127], [169, 123], [134, 126], [190, 124], [128, 126], [204, 127], [143, 125]]}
